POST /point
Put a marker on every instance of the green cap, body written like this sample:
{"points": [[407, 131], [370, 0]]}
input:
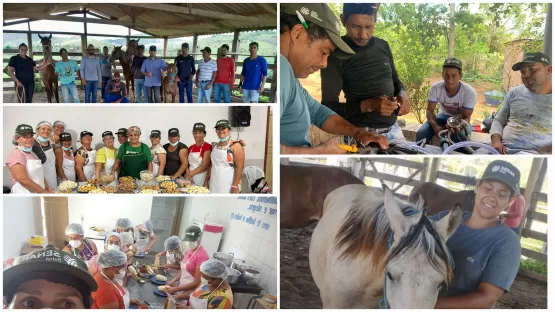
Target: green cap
{"points": [[24, 129], [533, 57], [453, 62], [65, 137], [505, 172], [192, 233], [223, 124], [321, 15]]}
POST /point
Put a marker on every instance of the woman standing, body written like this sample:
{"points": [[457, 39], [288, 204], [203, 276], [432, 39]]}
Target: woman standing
{"points": [[78, 245], [133, 156], [158, 154], [177, 155], [65, 161], [106, 156], [59, 128], [199, 157], [144, 236], [85, 158], [26, 170], [45, 151], [228, 161]]}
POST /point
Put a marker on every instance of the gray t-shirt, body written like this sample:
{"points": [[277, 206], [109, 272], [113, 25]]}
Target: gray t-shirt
{"points": [[524, 120], [465, 98], [489, 255], [105, 66]]}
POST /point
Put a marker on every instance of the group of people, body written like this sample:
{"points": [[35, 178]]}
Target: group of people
{"points": [[95, 72], [81, 277], [43, 159], [362, 66]]}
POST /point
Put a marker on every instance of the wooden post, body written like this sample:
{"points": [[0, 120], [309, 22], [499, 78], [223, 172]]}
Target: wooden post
{"points": [[273, 85], [425, 167], [30, 44], [434, 169], [83, 45], [165, 47], [195, 42], [235, 46], [533, 179]]}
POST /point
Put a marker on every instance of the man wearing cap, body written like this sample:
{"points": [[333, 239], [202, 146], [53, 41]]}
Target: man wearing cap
{"points": [[206, 74], [65, 161], [91, 75], [225, 76], [304, 47], [177, 155], [106, 69], [47, 279], [85, 158], [485, 251], [152, 69], [199, 156], [66, 70], [375, 94], [133, 156], [524, 120], [158, 153], [115, 90], [59, 127], [185, 71], [138, 61], [106, 156], [455, 98], [253, 75], [21, 69]]}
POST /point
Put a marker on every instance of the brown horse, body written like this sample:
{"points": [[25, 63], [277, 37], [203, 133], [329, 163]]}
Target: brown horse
{"points": [[126, 59], [49, 79], [438, 198], [169, 86]]}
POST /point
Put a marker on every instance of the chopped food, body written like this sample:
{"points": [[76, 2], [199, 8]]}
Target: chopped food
{"points": [[66, 186], [86, 188], [97, 191], [146, 175], [163, 178], [193, 189], [107, 178], [169, 185], [148, 192], [109, 189]]}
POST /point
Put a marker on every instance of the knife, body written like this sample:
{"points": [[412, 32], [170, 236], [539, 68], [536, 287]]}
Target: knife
{"points": [[148, 304]]}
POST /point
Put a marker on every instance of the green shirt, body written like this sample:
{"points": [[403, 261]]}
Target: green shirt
{"points": [[131, 165]]}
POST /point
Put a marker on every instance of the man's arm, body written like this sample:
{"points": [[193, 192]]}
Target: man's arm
{"points": [[399, 87], [431, 117], [466, 113], [499, 123], [232, 84], [11, 71], [486, 296]]}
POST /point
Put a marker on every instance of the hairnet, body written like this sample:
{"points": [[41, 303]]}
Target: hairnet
{"points": [[111, 258], [172, 243], [214, 268], [116, 234], [44, 122], [59, 122], [124, 223], [126, 238], [75, 228], [148, 225]]}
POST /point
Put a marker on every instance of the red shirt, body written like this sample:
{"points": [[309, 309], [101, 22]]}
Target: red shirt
{"points": [[106, 293], [200, 149], [226, 70]]}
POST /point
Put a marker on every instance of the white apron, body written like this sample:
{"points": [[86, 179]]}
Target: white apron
{"points": [[109, 164], [35, 172], [50, 168], [89, 167], [155, 166], [125, 303], [68, 165], [141, 243], [186, 277], [195, 160], [197, 303], [171, 272], [126, 297], [221, 175]]}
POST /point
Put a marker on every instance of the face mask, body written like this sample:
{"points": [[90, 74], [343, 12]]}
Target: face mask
{"points": [[113, 247], [25, 149], [66, 148], [174, 144], [124, 249], [203, 281], [170, 257], [43, 140], [120, 275], [75, 243], [224, 139], [193, 245]]}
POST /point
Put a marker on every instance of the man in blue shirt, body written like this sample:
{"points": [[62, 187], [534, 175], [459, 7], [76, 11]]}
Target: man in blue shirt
{"points": [[306, 41], [66, 70], [185, 64], [152, 69], [486, 252], [253, 75]]}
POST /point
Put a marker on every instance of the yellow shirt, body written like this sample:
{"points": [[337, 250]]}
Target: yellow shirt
{"points": [[101, 155]]}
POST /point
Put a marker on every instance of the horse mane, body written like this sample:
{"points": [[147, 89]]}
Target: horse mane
{"points": [[365, 232]]}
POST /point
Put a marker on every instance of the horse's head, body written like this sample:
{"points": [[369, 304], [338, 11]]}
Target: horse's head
{"points": [[116, 54], [172, 70], [46, 43], [418, 262], [133, 46]]}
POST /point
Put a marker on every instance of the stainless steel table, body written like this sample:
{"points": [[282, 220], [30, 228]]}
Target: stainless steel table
{"points": [[145, 292]]}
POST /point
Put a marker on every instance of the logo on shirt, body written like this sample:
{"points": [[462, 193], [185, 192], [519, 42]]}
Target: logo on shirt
{"points": [[470, 259], [71, 261]]}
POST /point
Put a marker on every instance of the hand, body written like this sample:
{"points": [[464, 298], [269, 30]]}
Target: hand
{"points": [[330, 147], [235, 190], [381, 104], [437, 129], [261, 89], [134, 302], [130, 275], [208, 86], [498, 146], [405, 104], [240, 89], [100, 84], [49, 190], [181, 306], [366, 137], [146, 251], [165, 267], [170, 283], [205, 184], [19, 84], [171, 290], [83, 82], [188, 175]]}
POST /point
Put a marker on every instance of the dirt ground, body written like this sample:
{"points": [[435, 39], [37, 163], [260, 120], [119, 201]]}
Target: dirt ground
{"points": [[298, 290]]}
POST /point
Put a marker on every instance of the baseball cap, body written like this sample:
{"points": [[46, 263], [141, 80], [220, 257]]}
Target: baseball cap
{"points": [[185, 45], [192, 234], [24, 129], [65, 137], [505, 172], [152, 48], [53, 265], [122, 131], [321, 15], [105, 133], [223, 124], [83, 133], [199, 126], [453, 62], [207, 49], [155, 133], [533, 57], [173, 131], [142, 46]]}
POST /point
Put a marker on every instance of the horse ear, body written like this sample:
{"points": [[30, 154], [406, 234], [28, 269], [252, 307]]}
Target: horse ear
{"points": [[398, 221], [138, 40], [50, 37], [449, 224], [40, 37]]}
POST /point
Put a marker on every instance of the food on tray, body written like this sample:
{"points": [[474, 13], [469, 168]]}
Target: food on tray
{"points": [[148, 192], [107, 178], [97, 191], [171, 191], [93, 181], [129, 254], [183, 183], [168, 185], [68, 191], [163, 178], [67, 186], [150, 187], [193, 189], [126, 179], [109, 189], [132, 270], [146, 175], [161, 278], [163, 288], [86, 188]]}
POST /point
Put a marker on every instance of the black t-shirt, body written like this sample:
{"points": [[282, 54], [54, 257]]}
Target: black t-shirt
{"points": [[370, 73], [23, 68], [185, 66], [173, 162], [137, 64]]}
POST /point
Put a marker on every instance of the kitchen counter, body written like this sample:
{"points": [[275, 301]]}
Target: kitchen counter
{"points": [[145, 292]]}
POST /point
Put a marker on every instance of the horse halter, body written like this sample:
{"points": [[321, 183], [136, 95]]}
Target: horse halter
{"points": [[383, 302]]}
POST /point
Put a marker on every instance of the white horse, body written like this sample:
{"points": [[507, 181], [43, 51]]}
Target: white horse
{"points": [[367, 238]]}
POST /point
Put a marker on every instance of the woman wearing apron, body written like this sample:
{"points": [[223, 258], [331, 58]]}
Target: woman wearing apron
{"points": [[176, 155], [45, 151], [26, 170], [65, 161], [215, 292], [228, 161], [158, 154], [144, 236], [85, 158], [199, 157], [174, 256], [190, 277], [133, 156], [106, 156], [59, 128], [78, 245]]}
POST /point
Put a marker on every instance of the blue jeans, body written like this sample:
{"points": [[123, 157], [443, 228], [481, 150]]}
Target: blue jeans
{"points": [[104, 83], [426, 131], [185, 86], [250, 96], [69, 91], [222, 89], [202, 93], [153, 90], [90, 91], [112, 98], [395, 133], [139, 90]]}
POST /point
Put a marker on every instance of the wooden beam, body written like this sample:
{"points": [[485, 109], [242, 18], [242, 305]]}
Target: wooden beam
{"points": [[434, 169], [533, 179], [273, 83], [30, 44], [537, 216], [534, 255], [39, 16], [165, 46], [17, 22], [399, 162], [235, 46], [53, 8], [74, 34], [269, 7], [83, 44]]}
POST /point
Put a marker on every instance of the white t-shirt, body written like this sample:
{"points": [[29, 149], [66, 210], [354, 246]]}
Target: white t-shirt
{"points": [[206, 69], [465, 98]]}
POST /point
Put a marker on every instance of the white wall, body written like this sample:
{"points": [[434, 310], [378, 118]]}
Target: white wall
{"points": [[98, 119], [22, 218]]}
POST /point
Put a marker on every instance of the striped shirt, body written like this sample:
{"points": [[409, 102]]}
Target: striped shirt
{"points": [[206, 69]]}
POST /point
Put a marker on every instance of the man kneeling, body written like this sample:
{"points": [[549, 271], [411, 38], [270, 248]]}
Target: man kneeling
{"points": [[115, 90]]}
